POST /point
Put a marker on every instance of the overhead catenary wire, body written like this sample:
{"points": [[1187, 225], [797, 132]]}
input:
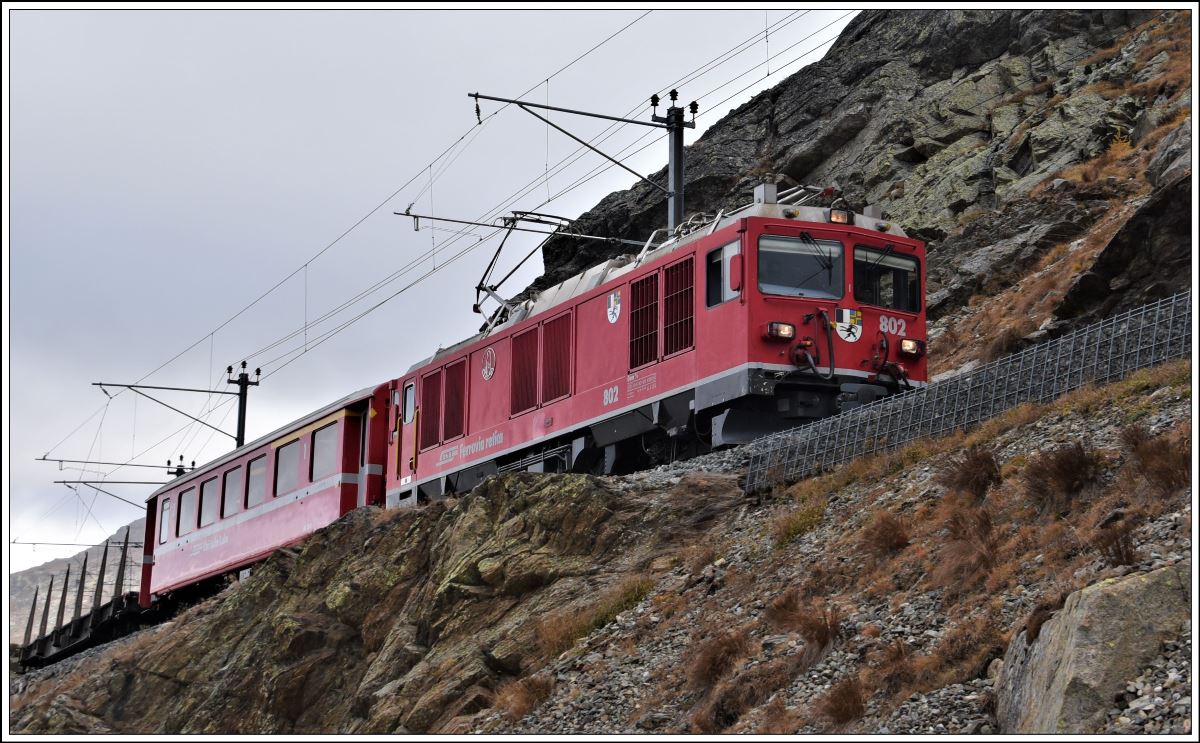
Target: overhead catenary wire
{"points": [[472, 130], [412, 265], [459, 235]]}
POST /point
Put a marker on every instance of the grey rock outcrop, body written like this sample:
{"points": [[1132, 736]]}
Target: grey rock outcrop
{"points": [[1149, 258], [1105, 634]]}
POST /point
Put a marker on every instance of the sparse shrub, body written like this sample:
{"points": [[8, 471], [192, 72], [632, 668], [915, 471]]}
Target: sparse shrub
{"points": [[970, 550], [797, 522], [716, 658], [843, 703], [1053, 479], [971, 472], [883, 535], [519, 697], [560, 630], [1165, 461]]}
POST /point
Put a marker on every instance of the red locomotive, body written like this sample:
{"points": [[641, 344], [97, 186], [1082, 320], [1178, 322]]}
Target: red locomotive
{"points": [[755, 321]]}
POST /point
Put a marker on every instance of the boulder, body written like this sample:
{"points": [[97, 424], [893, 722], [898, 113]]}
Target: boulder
{"points": [[1067, 679]]}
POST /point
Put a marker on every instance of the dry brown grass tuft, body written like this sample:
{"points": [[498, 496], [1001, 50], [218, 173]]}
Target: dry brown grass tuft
{"points": [[1007, 341], [1164, 461], [732, 698], [818, 623], [519, 697], [817, 582], [1038, 89], [1113, 537], [971, 472], [894, 667], [698, 556], [783, 611], [883, 535], [962, 654], [795, 523], [1053, 479], [1050, 603], [844, 703], [777, 719], [716, 658], [970, 551], [559, 631], [668, 604]]}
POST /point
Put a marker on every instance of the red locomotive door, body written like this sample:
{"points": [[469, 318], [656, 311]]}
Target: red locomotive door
{"points": [[407, 430]]}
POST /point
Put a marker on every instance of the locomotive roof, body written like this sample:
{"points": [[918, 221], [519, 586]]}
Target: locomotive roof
{"points": [[298, 423], [584, 282]]}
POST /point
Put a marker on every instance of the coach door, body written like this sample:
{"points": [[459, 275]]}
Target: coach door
{"points": [[407, 426]]}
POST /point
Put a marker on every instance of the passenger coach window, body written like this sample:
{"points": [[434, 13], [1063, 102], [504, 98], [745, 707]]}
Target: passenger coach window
{"points": [[324, 452], [716, 273], [164, 524], [209, 502], [287, 468], [800, 267], [187, 512], [233, 492], [256, 489], [885, 279]]}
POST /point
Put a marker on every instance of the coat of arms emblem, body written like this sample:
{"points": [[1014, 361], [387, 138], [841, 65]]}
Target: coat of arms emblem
{"points": [[614, 306], [848, 324]]}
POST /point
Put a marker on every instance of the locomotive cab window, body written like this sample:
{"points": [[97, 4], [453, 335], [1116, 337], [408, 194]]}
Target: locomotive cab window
{"points": [[800, 266], [885, 279], [410, 402], [287, 467], [716, 275]]}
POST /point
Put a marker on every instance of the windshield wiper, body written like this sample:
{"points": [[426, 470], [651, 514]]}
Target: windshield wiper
{"points": [[826, 260], [887, 250]]}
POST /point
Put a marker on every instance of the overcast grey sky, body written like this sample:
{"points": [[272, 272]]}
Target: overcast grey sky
{"points": [[168, 167]]}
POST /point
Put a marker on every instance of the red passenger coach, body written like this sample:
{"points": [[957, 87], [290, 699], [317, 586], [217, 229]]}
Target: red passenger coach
{"points": [[267, 494], [752, 322]]}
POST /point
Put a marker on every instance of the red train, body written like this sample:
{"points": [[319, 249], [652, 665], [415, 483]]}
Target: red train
{"points": [[755, 321]]}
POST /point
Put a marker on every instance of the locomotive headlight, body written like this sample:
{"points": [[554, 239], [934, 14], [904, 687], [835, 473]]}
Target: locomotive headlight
{"points": [[781, 330], [840, 216], [912, 347]]}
